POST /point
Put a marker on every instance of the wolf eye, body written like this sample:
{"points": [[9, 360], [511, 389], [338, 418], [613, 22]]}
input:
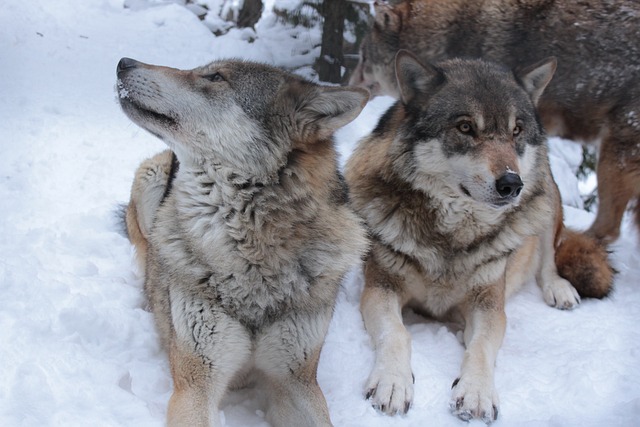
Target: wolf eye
{"points": [[517, 130], [465, 127], [216, 77]]}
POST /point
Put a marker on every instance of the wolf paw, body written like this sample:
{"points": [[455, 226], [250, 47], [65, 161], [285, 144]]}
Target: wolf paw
{"points": [[559, 293], [390, 392], [474, 400], [154, 174]]}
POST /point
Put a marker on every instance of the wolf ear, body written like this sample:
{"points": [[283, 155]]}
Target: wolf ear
{"points": [[328, 108], [413, 77], [386, 17], [536, 77]]}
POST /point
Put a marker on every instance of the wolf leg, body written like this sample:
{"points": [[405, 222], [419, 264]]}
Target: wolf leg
{"points": [[522, 265], [149, 186], [474, 394], [206, 351], [287, 356], [390, 383], [148, 189], [557, 292], [618, 182]]}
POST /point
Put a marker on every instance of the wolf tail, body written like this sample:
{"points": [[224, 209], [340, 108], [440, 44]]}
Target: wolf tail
{"points": [[636, 213], [120, 213], [584, 262], [134, 232]]}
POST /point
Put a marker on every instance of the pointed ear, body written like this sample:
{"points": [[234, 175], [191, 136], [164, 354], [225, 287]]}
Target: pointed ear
{"points": [[328, 108], [415, 78], [536, 77], [386, 17]]}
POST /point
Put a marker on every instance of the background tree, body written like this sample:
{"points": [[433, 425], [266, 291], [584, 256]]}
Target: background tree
{"points": [[337, 17], [250, 13], [329, 63]]}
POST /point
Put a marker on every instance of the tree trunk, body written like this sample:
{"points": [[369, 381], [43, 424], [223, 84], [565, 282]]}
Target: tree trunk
{"points": [[329, 64], [250, 13]]}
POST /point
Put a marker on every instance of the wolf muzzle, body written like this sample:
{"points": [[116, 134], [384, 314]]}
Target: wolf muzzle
{"points": [[509, 185], [125, 64]]}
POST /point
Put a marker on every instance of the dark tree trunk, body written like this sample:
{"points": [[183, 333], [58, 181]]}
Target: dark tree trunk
{"points": [[250, 13], [329, 64]]}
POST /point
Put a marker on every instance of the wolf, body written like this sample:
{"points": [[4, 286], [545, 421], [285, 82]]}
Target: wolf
{"points": [[243, 229], [594, 96], [455, 187]]}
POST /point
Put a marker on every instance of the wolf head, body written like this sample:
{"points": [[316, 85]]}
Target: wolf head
{"points": [[472, 125], [375, 69], [242, 115]]}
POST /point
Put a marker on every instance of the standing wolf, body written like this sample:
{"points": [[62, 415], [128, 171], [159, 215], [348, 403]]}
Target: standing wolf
{"points": [[455, 186], [244, 231], [595, 94]]}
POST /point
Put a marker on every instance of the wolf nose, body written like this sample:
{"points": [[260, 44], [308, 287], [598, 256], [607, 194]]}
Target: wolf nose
{"points": [[509, 185], [126, 63]]}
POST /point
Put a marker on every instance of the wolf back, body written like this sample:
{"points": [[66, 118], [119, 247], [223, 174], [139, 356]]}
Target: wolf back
{"points": [[594, 95]]}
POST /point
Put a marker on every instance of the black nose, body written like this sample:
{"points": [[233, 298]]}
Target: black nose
{"points": [[126, 63], [509, 185]]}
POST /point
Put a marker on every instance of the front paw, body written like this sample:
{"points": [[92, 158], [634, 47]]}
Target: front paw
{"points": [[559, 293], [390, 392], [474, 400]]}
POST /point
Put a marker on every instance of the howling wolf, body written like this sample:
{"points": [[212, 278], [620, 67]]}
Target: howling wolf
{"points": [[243, 228]]}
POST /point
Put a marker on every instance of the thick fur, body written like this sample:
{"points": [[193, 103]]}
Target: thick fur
{"points": [[594, 95], [244, 232], [456, 189], [150, 186], [581, 261]]}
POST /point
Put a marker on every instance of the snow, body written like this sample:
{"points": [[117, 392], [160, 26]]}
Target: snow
{"points": [[78, 347]]}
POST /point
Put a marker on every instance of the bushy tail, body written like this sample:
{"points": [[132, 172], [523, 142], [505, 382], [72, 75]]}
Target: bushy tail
{"points": [[636, 213], [120, 212], [585, 263], [135, 234]]}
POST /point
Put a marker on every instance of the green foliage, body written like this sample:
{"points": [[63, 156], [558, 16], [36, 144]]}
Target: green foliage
{"points": [[587, 168], [306, 14], [588, 165]]}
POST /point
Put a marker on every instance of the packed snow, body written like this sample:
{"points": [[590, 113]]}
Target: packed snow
{"points": [[77, 345]]}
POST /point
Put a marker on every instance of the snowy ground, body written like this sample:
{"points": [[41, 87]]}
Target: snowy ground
{"points": [[78, 348]]}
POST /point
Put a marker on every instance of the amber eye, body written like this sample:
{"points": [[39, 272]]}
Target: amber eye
{"points": [[517, 130], [216, 77], [465, 127]]}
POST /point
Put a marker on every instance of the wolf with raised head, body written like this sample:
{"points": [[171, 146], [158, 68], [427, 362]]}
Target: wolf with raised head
{"points": [[594, 95], [243, 229], [455, 187]]}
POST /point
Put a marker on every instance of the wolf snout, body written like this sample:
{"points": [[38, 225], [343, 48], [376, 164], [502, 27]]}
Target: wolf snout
{"points": [[126, 63], [509, 185]]}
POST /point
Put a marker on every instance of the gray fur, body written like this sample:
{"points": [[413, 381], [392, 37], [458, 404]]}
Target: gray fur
{"points": [[445, 241], [247, 250], [595, 92]]}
